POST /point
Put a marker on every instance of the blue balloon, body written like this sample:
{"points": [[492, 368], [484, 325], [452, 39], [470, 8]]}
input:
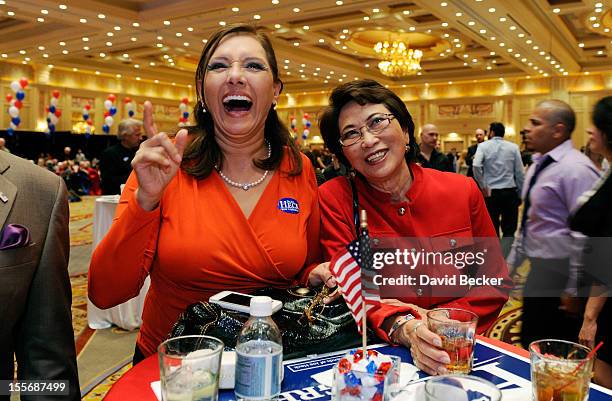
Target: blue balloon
{"points": [[20, 95], [304, 136], [308, 124], [112, 110], [106, 129], [10, 131], [48, 120], [52, 109], [85, 117], [185, 114], [51, 127], [87, 135], [131, 113], [16, 120]]}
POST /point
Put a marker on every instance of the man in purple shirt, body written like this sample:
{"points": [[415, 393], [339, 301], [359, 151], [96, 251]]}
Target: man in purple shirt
{"points": [[553, 183]]}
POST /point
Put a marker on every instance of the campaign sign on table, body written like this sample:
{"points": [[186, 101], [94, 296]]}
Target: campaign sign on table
{"points": [[509, 371]]}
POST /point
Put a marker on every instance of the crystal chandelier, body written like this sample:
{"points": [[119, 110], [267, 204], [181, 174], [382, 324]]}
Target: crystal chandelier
{"points": [[398, 59]]}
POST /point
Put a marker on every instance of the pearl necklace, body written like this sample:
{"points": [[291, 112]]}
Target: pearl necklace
{"points": [[248, 185]]}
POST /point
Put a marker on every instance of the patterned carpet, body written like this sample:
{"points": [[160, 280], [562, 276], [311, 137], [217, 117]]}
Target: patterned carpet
{"points": [[506, 328]]}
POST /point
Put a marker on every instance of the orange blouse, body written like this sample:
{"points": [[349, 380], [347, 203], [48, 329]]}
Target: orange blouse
{"points": [[198, 242]]}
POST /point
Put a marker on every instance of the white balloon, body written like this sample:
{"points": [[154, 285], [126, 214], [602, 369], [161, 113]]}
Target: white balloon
{"points": [[54, 119], [15, 86], [12, 102], [129, 106], [181, 124], [13, 126], [54, 101], [13, 111], [306, 132], [50, 114], [108, 104], [108, 121], [182, 107], [85, 111], [88, 129]]}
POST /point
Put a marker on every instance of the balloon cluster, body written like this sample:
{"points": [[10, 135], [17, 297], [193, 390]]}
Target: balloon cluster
{"points": [[306, 123], [15, 104], [53, 113], [293, 124], [129, 106], [111, 110], [87, 120], [184, 113]]}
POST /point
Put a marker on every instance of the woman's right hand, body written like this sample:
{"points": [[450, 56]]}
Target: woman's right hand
{"points": [[425, 347], [587, 332], [156, 163]]}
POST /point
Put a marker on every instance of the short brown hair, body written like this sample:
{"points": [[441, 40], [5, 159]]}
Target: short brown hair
{"points": [[365, 91]]}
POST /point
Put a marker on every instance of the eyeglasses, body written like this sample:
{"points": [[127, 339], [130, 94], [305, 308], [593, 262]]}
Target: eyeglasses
{"points": [[374, 125]]}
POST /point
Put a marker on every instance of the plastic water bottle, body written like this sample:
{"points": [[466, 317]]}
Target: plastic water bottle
{"points": [[259, 354]]}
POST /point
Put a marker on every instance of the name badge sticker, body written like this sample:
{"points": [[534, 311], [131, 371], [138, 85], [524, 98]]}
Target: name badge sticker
{"points": [[288, 205]]}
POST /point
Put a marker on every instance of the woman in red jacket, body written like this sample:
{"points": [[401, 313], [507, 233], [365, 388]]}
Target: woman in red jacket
{"points": [[370, 130]]}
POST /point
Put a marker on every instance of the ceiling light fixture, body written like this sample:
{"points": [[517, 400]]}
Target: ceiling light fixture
{"points": [[398, 59]]}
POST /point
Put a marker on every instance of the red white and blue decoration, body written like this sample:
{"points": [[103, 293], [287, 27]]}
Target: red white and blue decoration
{"points": [[184, 113], [53, 113], [129, 106], [293, 125], [306, 124], [15, 104], [87, 119], [111, 110]]}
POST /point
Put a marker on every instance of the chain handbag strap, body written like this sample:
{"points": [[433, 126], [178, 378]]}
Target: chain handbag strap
{"points": [[356, 219]]}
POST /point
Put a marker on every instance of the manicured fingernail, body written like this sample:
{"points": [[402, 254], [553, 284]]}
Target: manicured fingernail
{"points": [[445, 359], [178, 158], [442, 371], [438, 342]]}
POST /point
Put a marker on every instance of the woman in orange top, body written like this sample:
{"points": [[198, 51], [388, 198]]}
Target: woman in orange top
{"points": [[231, 206]]}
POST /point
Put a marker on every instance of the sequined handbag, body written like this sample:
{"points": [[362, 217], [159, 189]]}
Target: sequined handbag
{"points": [[307, 325]]}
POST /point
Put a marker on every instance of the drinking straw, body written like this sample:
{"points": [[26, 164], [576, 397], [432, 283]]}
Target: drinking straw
{"points": [[585, 360]]}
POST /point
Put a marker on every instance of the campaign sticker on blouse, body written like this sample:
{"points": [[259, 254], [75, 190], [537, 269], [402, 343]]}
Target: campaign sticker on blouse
{"points": [[289, 205]]}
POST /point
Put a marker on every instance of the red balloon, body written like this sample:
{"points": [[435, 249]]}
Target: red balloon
{"points": [[87, 106], [112, 97], [46, 109], [127, 100], [58, 113], [306, 115], [106, 113], [23, 82], [89, 122], [18, 104], [9, 97], [56, 94], [185, 100]]}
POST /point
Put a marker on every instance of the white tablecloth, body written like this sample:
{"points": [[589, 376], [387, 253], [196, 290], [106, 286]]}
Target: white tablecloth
{"points": [[128, 314]]}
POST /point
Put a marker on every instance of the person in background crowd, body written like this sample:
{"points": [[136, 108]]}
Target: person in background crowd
{"points": [[480, 137], [115, 163], [462, 167], [499, 172], [369, 129], [593, 217], [558, 176], [67, 153], [453, 158], [35, 294], [429, 156], [335, 169], [231, 205], [596, 157], [3, 146]]}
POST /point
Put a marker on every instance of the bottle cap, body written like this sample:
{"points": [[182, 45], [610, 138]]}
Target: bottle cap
{"points": [[261, 306]]}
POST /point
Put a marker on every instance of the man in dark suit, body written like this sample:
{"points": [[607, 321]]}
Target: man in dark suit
{"points": [[35, 295], [480, 135]]}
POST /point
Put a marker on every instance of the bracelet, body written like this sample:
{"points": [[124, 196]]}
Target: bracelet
{"points": [[399, 323]]}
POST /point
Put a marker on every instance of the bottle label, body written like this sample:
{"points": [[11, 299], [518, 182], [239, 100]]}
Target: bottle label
{"points": [[258, 375]]}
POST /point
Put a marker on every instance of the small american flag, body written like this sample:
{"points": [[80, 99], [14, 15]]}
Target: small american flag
{"points": [[357, 283]]}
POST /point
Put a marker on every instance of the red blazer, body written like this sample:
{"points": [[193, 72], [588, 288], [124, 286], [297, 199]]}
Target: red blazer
{"points": [[440, 204]]}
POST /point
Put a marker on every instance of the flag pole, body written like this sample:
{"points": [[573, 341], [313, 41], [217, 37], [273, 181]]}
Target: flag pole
{"points": [[364, 320]]}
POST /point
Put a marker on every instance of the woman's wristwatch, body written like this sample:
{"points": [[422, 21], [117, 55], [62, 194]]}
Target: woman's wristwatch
{"points": [[399, 323]]}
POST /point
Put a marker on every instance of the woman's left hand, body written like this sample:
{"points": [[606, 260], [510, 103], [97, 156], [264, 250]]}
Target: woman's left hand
{"points": [[321, 274]]}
